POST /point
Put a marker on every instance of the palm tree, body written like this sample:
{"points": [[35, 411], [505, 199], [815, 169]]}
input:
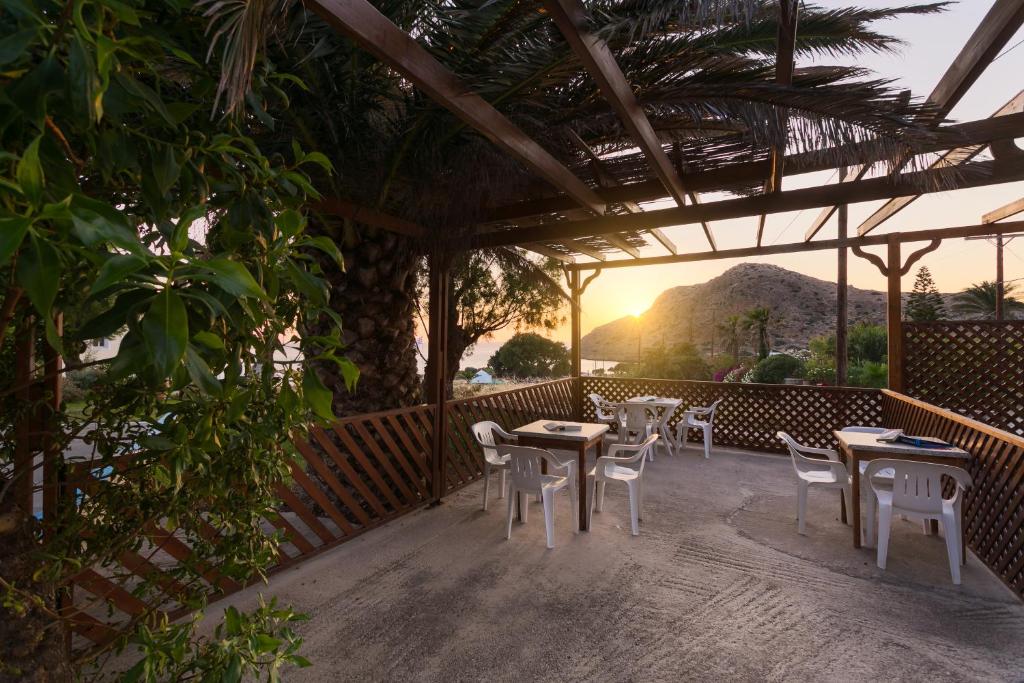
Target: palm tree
{"points": [[704, 72], [979, 301], [758, 322], [730, 329]]}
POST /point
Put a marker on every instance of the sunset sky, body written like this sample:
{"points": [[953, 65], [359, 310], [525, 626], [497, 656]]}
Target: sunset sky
{"points": [[931, 44]]}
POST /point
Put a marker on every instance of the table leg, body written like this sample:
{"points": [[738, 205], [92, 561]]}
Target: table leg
{"points": [[581, 486], [855, 503]]}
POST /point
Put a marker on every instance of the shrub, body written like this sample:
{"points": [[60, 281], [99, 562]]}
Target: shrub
{"points": [[869, 374], [774, 369]]}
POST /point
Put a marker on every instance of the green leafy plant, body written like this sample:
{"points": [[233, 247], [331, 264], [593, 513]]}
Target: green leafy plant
{"points": [[528, 354], [774, 369], [130, 204]]}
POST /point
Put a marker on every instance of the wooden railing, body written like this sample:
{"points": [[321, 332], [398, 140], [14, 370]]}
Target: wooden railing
{"points": [[357, 474], [751, 414], [994, 504]]}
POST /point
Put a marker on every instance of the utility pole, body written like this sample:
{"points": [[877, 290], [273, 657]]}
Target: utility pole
{"points": [[1000, 241]]}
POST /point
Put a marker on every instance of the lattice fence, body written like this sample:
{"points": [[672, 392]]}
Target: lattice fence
{"points": [[751, 414], [994, 505], [973, 367]]}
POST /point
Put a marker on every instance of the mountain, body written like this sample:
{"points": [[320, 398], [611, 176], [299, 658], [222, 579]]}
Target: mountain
{"points": [[806, 308]]}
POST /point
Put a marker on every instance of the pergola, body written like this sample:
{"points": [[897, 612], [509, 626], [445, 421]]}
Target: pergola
{"points": [[572, 216]]}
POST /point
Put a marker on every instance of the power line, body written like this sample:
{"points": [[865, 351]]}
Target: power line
{"points": [[1007, 50]]}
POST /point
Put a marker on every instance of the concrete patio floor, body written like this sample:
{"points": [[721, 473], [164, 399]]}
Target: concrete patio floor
{"points": [[718, 586]]}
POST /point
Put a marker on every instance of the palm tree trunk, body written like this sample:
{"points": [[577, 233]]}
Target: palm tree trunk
{"points": [[375, 298]]}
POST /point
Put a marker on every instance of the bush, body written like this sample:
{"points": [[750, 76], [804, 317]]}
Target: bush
{"points": [[869, 374], [774, 369]]}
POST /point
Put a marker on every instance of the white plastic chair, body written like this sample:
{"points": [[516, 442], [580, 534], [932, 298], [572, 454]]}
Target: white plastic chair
{"points": [[628, 469], [690, 421], [635, 418], [882, 478], [607, 413], [917, 493], [825, 471], [526, 477], [484, 433]]}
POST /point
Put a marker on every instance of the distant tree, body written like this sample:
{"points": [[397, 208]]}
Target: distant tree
{"points": [[730, 329], [680, 361], [978, 301], [869, 374], [598, 372], [466, 373], [925, 302], [493, 289], [774, 369], [759, 321], [866, 343], [528, 354]]}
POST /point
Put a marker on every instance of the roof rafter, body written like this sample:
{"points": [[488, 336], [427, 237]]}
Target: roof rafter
{"points": [[995, 30], [953, 157], [1011, 209], [975, 174], [375, 33], [598, 60], [747, 173]]}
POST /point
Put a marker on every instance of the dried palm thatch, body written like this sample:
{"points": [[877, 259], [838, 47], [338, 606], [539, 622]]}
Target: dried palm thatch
{"points": [[703, 71]]}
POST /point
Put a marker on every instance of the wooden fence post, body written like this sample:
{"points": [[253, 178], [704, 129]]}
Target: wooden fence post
{"points": [[436, 371]]}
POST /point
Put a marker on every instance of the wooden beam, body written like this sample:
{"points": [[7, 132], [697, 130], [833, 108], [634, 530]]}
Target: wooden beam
{"points": [[1011, 209], [578, 245], [598, 60], [953, 157], [343, 208], [976, 174], [926, 235], [606, 180], [375, 33], [621, 243], [749, 173], [667, 242], [995, 30], [549, 252], [785, 64]]}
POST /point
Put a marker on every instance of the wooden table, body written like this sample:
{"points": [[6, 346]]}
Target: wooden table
{"points": [[589, 435], [858, 447]]}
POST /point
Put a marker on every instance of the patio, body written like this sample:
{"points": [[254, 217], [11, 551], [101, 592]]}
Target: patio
{"points": [[718, 584]]}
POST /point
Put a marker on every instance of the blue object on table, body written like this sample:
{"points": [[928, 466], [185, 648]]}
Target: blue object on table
{"points": [[922, 441]]}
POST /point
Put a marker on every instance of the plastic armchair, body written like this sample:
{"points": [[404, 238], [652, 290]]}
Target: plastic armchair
{"points": [[485, 432], [917, 493], [526, 477], [628, 469], [691, 420], [824, 471], [883, 478], [638, 419], [607, 413]]}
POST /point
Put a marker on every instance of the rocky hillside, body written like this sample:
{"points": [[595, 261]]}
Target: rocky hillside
{"points": [[805, 305]]}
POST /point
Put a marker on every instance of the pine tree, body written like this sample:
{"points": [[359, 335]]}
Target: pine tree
{"points": [[925, 302]]}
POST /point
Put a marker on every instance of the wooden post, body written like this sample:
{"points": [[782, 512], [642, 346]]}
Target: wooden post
{"points": [[53, 465], [436, 372], [842, 350], [24, 429], [894, 315], [574, 350], [1000, 287]]}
